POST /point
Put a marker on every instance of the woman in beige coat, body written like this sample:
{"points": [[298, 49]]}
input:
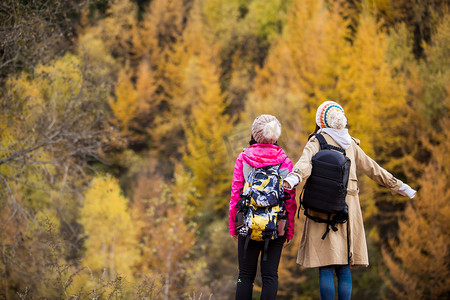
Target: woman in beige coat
{"points": [[336, 252]]}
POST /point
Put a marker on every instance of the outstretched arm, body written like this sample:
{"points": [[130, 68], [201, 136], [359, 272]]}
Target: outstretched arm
{"points": [[368, 166], [302, 169]]}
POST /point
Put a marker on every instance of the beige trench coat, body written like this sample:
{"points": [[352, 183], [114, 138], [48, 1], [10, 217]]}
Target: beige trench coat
{"points": [[315, 252]]}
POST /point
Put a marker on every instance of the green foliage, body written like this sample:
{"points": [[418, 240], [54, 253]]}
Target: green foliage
{"points": [[436, 75], [267, 18]]}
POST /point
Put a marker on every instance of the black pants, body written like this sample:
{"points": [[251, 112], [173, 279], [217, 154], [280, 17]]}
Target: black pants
{"points": [[248, 266]]}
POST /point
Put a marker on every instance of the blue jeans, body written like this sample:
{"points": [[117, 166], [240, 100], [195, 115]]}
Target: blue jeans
{"points": [[326, 282]]}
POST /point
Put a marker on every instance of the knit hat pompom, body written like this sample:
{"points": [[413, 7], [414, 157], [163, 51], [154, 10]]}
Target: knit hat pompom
{"points": [[331, 115], [266, 129], [337, 120]]}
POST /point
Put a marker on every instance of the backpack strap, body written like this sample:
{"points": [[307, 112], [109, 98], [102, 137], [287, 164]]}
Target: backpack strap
{"points": [[330, 223], [348, 244], [279, 165], [322, 142], [324, 145], [246, 169], [300, 198]]}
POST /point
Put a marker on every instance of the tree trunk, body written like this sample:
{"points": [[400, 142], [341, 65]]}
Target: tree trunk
{"points": [[167, 281]]}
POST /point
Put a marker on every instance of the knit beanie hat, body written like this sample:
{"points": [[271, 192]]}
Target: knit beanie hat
{"points": [[331, 115], [266, 129]]}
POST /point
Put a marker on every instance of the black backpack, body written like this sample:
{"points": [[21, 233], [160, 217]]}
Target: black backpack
{"points": [[326, 188]]}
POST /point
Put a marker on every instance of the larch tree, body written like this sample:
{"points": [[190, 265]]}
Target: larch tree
{"points": [[148, 102], [134, 104], [417, 260], [401, 59], [206, 155], [161, 29], [111, 245], [208, 124], [436, 73], [119, 30], [161, 26], [302, 70], [167, 237], [374, 97], [53, 125], [126, 102]]}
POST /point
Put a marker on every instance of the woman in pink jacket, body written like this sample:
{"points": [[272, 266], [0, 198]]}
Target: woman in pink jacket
{"points": [[263, 151]]}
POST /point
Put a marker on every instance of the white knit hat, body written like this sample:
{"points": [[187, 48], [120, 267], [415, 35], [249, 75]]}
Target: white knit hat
{"points": [[331, 115], [266, 129]]}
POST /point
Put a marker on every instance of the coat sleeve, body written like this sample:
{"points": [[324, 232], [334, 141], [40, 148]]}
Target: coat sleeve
{"points": [[369, 167], [302, 169], [291, 203], [236, 186]]}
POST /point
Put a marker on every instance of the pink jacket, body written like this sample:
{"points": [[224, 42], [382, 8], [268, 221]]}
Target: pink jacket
{"points": [[257, 156]]}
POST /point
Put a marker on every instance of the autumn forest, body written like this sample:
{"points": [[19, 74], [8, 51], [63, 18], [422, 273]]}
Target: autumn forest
{"points": [[121, 120]]}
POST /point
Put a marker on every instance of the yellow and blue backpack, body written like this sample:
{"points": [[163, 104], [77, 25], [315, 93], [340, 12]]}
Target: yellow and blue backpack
{"points": [[261, 206]]}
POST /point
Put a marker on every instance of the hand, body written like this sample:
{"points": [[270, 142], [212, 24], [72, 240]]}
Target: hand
{"points": [[235, 237], [287, 243], [286, 185]]}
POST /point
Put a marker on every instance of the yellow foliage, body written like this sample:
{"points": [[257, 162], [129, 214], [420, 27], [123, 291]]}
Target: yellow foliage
{"points": [[179, 69], [162, 24], [302, 70], [374, 97], [94, 51], [418, 262], [206, 155], [160, 76], [111, 244], [62, 79], [167, 238], [146, 87], [44, 117], [126, 103], [52, 84], [119, 30]]}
